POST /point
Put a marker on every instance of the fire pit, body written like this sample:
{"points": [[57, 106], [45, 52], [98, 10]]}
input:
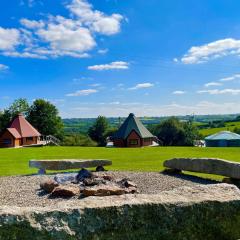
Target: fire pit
{"points": [[86, 183]]}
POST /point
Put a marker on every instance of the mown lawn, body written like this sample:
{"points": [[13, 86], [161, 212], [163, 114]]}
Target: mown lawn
{"points": [[15, 161]]}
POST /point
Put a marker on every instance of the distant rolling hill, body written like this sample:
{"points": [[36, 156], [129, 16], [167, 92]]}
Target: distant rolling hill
{"points": [[229, 126], [228, 121]]}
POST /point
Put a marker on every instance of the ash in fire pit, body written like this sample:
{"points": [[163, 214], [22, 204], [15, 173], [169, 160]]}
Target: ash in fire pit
{"points": [[85, 184]]}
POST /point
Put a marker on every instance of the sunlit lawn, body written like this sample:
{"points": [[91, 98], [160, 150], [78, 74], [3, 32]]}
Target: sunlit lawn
{"points": [[15, 161]]}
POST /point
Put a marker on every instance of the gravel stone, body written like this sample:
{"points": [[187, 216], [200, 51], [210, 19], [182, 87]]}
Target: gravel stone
{"points": [[24, 191]]}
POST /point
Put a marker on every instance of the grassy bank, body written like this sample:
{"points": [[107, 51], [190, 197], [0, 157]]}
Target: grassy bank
{"points": [[229, 126], [15, 161]]}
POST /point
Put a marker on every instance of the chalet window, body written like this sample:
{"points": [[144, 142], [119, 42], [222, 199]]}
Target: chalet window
{"points": [[7, 141], [133, 141], [29, 139]]}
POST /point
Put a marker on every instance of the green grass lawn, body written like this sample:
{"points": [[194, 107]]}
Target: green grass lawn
{"points": [[15, 161]]}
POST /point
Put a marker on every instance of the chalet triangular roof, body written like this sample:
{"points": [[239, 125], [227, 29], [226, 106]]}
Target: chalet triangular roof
{"points": [[24, 128], [132, 123]]}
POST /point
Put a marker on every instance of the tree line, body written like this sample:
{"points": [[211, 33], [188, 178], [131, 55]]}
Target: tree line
{"points": [[170, 132], [44, 116]]}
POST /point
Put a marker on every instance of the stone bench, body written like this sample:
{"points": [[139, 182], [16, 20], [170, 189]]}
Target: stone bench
{"points": [[67, 164], [205, 165]]}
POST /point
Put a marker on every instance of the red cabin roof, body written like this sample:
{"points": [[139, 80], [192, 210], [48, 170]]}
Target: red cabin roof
{"points": [[14, 133], [23, 127]]}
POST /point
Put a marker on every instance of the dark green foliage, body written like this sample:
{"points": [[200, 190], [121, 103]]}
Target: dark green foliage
{"points": [[78, 140], [173, 132], [18, 106], [191, 133], [5, 118], [236, 130], [110, 132], [170, 132], [44, 117], [97, 132]]}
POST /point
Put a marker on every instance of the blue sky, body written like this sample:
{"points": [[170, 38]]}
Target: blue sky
{"points": [[112, 57]]}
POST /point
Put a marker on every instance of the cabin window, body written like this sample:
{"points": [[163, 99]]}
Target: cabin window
{"points": [[7, 141], [133, 141], [29, 139]]}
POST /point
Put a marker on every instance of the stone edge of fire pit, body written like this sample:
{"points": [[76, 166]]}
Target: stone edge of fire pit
{"points": [[127, 216]]}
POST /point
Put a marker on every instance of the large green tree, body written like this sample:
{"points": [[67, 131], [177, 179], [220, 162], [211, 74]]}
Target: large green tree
{"points": [[97, 132], [18, 106], [5, 118], [172, 132], [44, 116], [191, 133]]}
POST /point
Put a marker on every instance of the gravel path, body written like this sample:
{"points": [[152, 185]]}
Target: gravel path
{"points": [[23, 191]]}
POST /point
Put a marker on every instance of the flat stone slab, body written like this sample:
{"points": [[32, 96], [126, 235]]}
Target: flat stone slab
{"points": [[205, 165], [65, 164]]}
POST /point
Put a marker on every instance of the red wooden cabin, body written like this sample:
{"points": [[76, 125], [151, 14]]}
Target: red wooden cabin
{"points": [[19, 133]]}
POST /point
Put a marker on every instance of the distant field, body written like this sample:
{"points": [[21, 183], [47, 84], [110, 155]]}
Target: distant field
{"points": [[15, 161], [229, 127]]}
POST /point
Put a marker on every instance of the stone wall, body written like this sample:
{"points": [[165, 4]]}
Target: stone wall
{"points": [[204, 212]]}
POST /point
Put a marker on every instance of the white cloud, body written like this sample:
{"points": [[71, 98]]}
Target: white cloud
{"points": [[9, 38], [108, 25], [142, 86], [217, 49], [114, 103], [210, 84], [3, 67], [29, 3], [95, 85], [110, 66], [32, 24], [65, 39], [96, 20], [84, 92], [56, 36], [179, 92], [103, 51], [23, 54], [231, 78], [222, 91]]}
